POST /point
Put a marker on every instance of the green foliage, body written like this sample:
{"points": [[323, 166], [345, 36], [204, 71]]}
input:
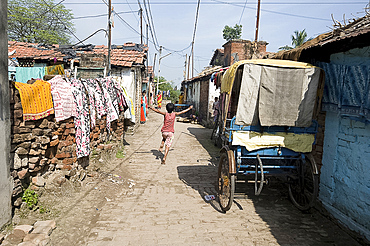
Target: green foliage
{"points": [[120, 154], [30, 197], [39, 21], [299, 38], [286, 47], [174, 94], [232, 32]]}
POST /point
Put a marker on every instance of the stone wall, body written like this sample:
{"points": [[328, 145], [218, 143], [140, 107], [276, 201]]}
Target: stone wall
{"points": [[46, 145]]}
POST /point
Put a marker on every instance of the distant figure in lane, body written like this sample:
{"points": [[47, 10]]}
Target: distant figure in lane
{"points": [[168, 129], [159, 99]]}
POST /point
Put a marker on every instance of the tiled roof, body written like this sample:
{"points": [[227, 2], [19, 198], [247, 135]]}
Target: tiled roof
{"points": [[125, 55]]}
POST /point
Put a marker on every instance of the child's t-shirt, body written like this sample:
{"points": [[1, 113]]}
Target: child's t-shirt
{"points": [[169, 122]]}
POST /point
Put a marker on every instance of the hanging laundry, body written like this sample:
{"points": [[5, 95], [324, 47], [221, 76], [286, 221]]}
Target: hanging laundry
{"points": [[129, 114], [23, 74], [81, 119], [120, 94], [112, 112], [55, 70], [63, 99], [92, 102], [36, 99]]}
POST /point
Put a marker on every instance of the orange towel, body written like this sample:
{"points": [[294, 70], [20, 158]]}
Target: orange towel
{"points": [[36, 99]]}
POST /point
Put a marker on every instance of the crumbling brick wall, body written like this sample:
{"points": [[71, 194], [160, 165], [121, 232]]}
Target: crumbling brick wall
{"points": [[46, 145]]}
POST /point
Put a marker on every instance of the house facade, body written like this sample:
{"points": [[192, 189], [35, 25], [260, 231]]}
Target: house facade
{"points": [[344, 55]]}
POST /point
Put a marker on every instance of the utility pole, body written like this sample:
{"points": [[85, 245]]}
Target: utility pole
{"points": [[141, 25], [258, 20], [188, 68], [159, 67], [186, 60], [109, 33], [192, 60], [147, 35]]}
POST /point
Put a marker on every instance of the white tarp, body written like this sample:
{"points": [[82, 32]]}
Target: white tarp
{"points": [[277, 96]]}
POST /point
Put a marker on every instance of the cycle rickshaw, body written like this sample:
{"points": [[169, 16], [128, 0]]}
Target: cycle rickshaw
{"points": [[267, 127]]}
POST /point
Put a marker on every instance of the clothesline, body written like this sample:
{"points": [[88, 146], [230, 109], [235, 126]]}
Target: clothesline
{"points": [[86, 100]]}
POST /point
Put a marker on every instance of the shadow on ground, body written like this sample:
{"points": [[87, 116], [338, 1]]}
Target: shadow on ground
{"points": [[286, 223]]}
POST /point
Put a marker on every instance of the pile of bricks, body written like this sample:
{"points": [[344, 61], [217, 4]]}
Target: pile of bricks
{"points": [[46, 145]]}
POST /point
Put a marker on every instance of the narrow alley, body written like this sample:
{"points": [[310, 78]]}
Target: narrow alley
{"points": [[165, 204]]}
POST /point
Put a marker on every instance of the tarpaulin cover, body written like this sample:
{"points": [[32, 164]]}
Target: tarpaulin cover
{"points": [[229, 76], [255, 140], [279, 95]]}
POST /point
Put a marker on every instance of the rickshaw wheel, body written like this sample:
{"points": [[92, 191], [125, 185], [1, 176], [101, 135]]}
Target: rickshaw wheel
{"points": [[303, 190], [226, 183]]}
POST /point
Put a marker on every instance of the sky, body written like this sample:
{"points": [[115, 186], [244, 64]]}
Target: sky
{"points": [[174, 22]]}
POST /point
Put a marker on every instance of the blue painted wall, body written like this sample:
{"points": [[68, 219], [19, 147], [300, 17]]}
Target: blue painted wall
{"points": [[345, 174]]}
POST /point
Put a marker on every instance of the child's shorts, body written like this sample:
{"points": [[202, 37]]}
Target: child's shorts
{"points": [[168, 136]]}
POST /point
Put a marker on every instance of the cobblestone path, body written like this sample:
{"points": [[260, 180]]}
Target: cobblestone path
{"points": [[165, 204]]}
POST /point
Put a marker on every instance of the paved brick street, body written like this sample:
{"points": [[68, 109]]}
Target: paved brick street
{"points": [[165, 205]]}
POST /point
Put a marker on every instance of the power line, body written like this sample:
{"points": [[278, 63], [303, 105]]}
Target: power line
{"points": [[101, 15], [51, 9], [237, 2], [241, 16], [192, 43], [275, 12], [151, 18], [150, 27], [92, 35]]}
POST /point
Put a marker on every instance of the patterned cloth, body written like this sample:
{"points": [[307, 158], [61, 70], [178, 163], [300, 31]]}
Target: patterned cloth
{"points": [[108, 103], [92, 102], [36, 99], [55, 70], [346, 90], [81, 119], [63, 98]]}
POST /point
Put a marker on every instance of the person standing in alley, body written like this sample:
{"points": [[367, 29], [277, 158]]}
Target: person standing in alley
{"points": [[168, 128], [144, 105], [159, 99]]}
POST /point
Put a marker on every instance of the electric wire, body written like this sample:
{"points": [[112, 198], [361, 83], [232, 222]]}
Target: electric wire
{"points": [[101, 15], [62, 22], [236, 2], [150, 27], [241, 16], [152, 21]]}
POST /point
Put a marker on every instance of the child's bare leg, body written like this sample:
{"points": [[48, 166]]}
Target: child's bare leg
{"points": [[165, 154], [162, 144]]}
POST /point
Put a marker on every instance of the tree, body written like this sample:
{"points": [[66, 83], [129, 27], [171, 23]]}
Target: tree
{"points": [[39, 21], [299, 38], [285, 47], [232, 32], [174, 94]]}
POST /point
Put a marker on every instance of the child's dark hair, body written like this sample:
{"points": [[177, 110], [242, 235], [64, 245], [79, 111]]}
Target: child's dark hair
{"points": [[170, 107]]}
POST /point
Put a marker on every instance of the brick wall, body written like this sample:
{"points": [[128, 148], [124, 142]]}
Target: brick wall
{"points": [[239, 49], [46, 145]]}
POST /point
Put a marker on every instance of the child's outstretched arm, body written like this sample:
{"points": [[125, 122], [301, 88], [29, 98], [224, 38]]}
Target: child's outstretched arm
{"points": [[157, 111], [184, 111]]}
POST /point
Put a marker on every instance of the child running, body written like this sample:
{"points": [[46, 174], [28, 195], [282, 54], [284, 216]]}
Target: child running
{"points": [[168, 129]]}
